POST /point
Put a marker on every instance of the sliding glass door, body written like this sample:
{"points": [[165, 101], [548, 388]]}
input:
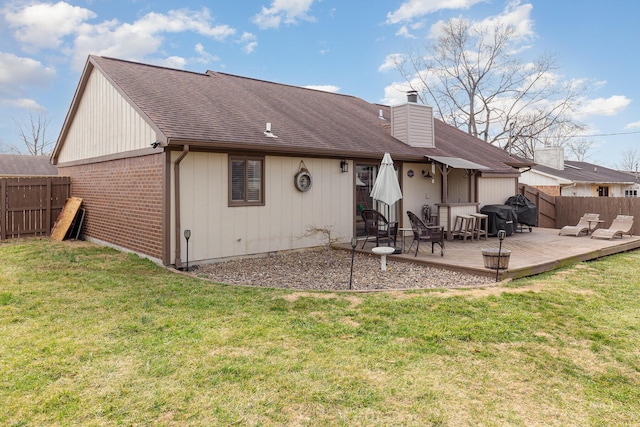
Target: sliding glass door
{"points": [[365, 177]]}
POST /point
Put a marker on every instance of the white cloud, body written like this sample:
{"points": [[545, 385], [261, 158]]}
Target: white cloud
{"points": [[390, 62], [604, 106], [287, 11], [250, 42], [324, 88], [516, 16], [634, 125], [395, 93], [17, 72], [404, 32], [23, 103], [67, 28], [204, 56], [43, 25], [143, 37], [412, 9]]}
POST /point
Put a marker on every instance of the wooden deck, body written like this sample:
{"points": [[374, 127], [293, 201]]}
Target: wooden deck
{"points": [[531, 252]]}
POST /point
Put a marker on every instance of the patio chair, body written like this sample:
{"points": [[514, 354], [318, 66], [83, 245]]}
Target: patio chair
{"points": [[621, 225], [583, 225], [376, 225], [425, 233]]}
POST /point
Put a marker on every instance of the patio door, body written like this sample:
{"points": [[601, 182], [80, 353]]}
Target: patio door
{"points": [[365, 177]]}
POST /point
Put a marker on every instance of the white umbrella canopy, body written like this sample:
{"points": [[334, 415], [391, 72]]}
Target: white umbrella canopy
{"points": [[386, 188]]}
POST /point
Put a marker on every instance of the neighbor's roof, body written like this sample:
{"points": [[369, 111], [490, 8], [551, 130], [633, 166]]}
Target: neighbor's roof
{"points": [[221, 111], [588, 173], [26, 165]]}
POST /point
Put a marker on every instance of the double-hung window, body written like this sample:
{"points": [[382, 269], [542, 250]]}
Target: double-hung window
{"points": [[246, 178]]}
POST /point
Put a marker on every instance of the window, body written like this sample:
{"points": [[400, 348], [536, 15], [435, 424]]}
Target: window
{"points": [[603, 191], [246, 181], [630, 193]]}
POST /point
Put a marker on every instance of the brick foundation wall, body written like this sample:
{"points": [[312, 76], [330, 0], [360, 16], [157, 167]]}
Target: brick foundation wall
{"points": [[123, 201], [552, 190]]}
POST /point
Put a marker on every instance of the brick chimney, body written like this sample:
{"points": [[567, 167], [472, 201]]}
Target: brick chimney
{"points": [[412, 123]]}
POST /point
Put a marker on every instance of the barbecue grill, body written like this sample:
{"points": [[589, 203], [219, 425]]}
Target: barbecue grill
{"points": [[526, 210], [500, 217]]}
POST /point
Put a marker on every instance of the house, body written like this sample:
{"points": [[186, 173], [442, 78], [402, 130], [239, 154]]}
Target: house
{"points": [[26, 165], [250, 166], [556, 176]]}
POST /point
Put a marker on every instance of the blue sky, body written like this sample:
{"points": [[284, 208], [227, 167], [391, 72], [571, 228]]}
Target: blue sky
{"points": [[336, 45]]}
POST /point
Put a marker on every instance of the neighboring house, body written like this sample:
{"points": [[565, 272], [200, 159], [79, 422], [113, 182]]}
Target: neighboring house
{"points": [[558, 177], [249, 166], [26, 165]]}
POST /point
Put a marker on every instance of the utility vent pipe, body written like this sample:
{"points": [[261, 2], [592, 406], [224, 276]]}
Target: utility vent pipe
{"points": [[268, 132]]}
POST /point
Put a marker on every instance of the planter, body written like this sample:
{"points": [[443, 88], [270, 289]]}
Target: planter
{"points": [[496, 260]]}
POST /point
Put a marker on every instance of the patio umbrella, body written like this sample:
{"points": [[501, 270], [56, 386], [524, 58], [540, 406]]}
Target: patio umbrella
{"points": [[386, 188]]}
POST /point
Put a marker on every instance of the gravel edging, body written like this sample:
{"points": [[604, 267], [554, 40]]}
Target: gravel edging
{"points": [[322, 269]]}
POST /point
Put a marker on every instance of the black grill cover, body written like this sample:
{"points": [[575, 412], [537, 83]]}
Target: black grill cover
{"points": [[526, 210], [500, 217]]}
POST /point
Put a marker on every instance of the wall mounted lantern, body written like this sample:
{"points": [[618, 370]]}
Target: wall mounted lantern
{"points": [[344, 165]]}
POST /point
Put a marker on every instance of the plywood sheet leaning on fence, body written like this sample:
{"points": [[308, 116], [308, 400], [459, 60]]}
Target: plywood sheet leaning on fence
{"points": [[65, 219]]}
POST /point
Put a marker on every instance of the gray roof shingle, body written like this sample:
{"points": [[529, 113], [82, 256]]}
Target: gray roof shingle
{"points": [[219, 110], [588, 173], [26, 165]]}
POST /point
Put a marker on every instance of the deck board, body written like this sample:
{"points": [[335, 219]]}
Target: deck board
{"points": [[531, 252]]}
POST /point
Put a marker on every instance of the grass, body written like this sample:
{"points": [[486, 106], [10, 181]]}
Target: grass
{"points": [[92, 336]]}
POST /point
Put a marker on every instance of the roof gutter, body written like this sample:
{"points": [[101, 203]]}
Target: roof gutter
{"points": [[176, 182]]}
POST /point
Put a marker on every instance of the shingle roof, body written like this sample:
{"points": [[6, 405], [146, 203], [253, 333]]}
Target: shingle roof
{"points": [[588, 173], [222, 110], [26, 165]]}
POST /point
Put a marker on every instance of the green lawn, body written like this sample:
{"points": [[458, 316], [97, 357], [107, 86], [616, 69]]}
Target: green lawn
{"points": [[92, 336]]}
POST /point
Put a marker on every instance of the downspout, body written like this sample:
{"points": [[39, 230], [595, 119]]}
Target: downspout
{"points": [[573, 184], [176, 182]]}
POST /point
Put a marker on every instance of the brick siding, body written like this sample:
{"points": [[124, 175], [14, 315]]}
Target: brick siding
{"points": [[551, 190], [123, 201]]}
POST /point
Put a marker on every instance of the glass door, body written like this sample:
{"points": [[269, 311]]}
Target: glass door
{"points": [[365, 177]]}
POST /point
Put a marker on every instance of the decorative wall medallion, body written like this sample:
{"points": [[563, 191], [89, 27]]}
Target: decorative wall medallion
{"points": [[303, 180]]}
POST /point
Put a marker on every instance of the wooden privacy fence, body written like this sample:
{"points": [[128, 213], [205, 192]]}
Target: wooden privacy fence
{"points": [[558, 211], [546, 205], [31, 205], [570, 209]]}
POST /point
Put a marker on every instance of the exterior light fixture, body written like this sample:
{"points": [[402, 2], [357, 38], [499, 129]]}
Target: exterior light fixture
{"points": [[344, 165], [187, 235], [501, 235]]}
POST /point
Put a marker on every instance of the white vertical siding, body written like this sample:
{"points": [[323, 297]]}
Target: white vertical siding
{"points": [[495, 191], [458, 183], [418, 191], [105, 123], [220, 231]]}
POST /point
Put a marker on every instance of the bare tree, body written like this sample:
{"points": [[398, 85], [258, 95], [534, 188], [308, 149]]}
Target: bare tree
{"points": [[475, 83], [33, 135], [579, 149], [630, 161]]}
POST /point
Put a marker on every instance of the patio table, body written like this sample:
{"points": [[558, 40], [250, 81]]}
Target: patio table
{"points": [[593, 224]]}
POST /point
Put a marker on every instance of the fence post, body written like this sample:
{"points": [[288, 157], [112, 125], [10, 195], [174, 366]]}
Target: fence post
{"points": [[47, 224], [3, 208]]}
